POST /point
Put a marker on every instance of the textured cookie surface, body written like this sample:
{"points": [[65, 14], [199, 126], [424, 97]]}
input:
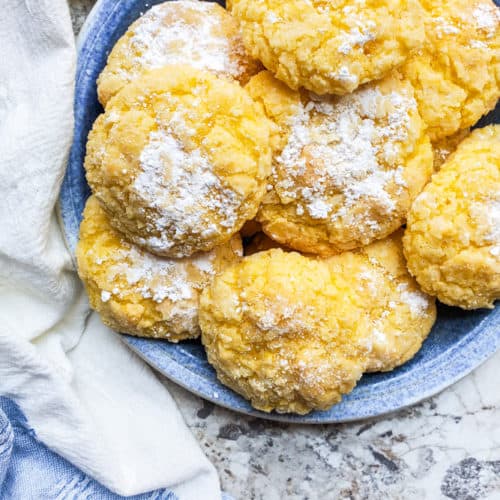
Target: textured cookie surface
{"points": [[280, 332], [141, 294], [398, 314], [179, 160], [330, 46], [457, 75], [452, 240], [201, 34], [345, 169]]}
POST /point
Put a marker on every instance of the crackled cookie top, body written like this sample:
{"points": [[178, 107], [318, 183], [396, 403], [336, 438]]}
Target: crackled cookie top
{"points": [[201, 34], [452, 240], [345, 169], [179, 160], [139, 293], [330, 46], [399, 316], [456, 75], [271, 328], [293, 333]]}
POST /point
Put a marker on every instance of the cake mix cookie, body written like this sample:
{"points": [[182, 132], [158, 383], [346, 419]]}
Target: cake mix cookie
{"points": [[282, 333], [398, 314], [179, 160], [452, 240], [457, 75], [201, 34], [330, 47], [141, 294], [345, 169]]}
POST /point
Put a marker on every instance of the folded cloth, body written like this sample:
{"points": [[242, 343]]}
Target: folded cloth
{"points": [[88, 398], [33, 471]]}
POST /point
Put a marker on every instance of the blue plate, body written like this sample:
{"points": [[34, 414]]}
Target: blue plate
{"points": [[458, 343]]}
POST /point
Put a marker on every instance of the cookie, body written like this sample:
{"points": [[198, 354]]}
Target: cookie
{"points": [[250, 228], [444, 147], [330, 47], [345, 169], [452, 240], [141, 294], [260, 242], [398, 314], [179, 160], [457, 75], [272, 330], [201, 34]]}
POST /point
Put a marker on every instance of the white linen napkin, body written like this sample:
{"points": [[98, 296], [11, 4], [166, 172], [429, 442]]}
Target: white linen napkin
{"points": [[87, 397]]}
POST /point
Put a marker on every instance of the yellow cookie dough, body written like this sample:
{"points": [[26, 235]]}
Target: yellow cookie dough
{"points": [[330, 47], [399, 316], [281, 332], [452, 240], [345, 169], [141, 294], [444, 147], [457, 75], [201, 34], [179, 160]]}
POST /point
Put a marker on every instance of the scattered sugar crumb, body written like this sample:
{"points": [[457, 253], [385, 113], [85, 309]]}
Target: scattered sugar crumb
{"points": [[487, 18], [163, 37], [183, 188], [416, 300], [339, 147]]}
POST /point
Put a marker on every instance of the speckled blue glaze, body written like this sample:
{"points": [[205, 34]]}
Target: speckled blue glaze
{"points": [[458, 343]]}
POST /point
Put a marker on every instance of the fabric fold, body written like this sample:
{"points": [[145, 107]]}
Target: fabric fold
{"points": [[87, 397]]}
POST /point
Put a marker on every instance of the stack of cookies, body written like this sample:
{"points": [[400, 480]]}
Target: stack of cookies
{"points": [[296, 182]]}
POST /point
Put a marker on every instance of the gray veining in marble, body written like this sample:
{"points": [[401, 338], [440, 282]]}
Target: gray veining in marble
{"points": [[445, 448]]}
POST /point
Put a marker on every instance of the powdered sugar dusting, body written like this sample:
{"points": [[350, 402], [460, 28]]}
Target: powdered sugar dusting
{"points": [[279, 316], [445, 27], [152, 277], [362, 29], [417, 301], [379, 337], [349, 146], [167, 34], [133, 270], [344, 75], [205, 262], [356, 37], [487, 218], [181, 187], [487, 17]]}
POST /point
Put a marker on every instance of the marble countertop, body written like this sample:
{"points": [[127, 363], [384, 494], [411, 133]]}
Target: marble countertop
{"points": [[445, 447]]}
